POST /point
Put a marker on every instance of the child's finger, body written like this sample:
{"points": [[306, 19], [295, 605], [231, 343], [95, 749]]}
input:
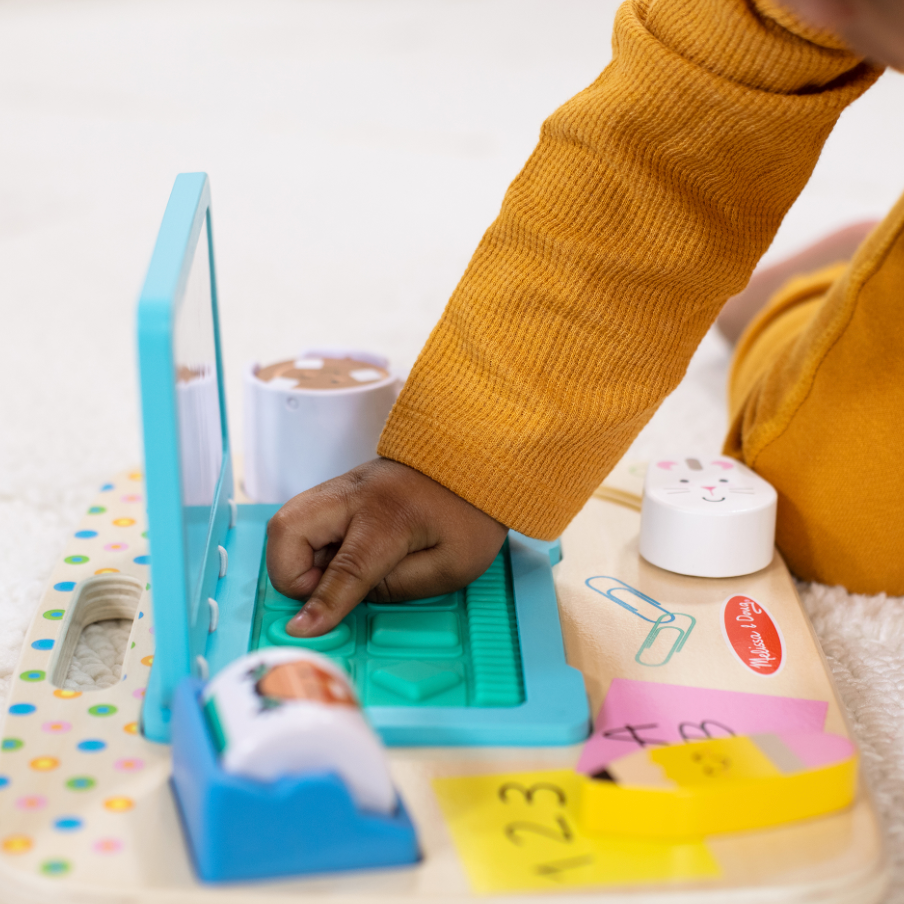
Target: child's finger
{"points": [[366, 556], [301, 537]]}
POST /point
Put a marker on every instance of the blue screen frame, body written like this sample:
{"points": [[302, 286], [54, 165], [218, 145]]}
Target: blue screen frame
{"points": [[181, 613]]}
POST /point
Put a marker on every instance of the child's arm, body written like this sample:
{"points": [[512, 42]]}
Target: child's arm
{"points": [[648, 201]]}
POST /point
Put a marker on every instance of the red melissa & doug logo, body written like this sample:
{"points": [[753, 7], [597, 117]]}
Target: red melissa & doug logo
{"points": [[753, 635]]}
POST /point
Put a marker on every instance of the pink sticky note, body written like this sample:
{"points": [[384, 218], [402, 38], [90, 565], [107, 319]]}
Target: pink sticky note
{"points": [[640, 714]]}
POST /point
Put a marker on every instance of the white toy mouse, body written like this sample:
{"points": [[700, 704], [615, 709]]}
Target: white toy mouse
{"points": [[707, 516]]}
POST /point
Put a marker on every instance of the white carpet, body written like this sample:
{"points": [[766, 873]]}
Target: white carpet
{"points": [[357, 149]]}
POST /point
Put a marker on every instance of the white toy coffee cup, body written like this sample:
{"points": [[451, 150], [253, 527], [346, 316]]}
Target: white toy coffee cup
{"points": [[284, 711], [297, 438]]}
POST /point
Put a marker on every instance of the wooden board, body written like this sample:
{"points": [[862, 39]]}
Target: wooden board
{"points": [[128, 843]]}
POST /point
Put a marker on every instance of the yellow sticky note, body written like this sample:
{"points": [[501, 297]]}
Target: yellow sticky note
{"points": [[520, 832]]}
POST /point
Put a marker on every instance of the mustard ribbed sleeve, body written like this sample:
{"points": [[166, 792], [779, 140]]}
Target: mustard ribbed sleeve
{"points": [[646, 204]]}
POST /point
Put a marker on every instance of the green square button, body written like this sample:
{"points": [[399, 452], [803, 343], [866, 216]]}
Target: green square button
{"points": [[338, 642], [418, 631], [413, 683]]}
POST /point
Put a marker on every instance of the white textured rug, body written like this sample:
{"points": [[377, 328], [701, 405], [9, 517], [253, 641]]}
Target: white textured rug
{"points": [[357, 150]]}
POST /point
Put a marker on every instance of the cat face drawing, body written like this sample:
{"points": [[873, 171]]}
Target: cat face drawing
{"points": [[707, 483]]}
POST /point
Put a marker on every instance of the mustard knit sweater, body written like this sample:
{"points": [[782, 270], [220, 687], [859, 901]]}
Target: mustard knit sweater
{"points": [[646, 204]]}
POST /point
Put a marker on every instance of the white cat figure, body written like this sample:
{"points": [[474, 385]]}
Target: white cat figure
{"points": [[707, 516]]}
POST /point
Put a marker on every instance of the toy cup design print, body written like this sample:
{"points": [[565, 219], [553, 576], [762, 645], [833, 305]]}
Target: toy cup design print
{"points": [[312, 418], [300, 680]]}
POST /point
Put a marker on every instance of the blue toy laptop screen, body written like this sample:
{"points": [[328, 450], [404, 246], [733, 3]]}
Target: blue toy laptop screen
{"points": [[187, 463], [198, 407]]}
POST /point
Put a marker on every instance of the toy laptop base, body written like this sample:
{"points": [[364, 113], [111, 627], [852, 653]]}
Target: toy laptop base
{"points": [[87, 814]]}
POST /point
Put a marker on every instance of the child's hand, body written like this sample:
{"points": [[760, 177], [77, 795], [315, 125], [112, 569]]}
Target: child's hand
{"points": [[382, 531]]}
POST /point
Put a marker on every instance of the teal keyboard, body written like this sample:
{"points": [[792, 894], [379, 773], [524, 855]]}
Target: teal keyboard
{"points": [[456, 650]]}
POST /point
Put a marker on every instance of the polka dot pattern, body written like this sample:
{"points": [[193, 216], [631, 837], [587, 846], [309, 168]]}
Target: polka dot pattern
{"points": [[81, 783], [68, 770], [56, 867], [56, 727], [64, 693], [107, 846], [16, 844], [119, 804]]}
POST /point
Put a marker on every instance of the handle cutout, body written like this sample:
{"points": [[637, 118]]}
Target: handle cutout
{"points": [[101, 598]]}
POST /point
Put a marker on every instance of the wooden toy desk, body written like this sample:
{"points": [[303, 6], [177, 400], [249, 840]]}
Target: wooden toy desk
{"points": [[86, 811], [111, 831]]}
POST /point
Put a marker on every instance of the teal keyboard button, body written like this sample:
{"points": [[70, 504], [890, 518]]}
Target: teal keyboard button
{"points": [[332, 640], [416, 631], [416, 681]]}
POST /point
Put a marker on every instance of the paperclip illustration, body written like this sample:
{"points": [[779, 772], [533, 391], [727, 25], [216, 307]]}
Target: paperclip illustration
{"points": [[614, 589], [655, 654]]}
